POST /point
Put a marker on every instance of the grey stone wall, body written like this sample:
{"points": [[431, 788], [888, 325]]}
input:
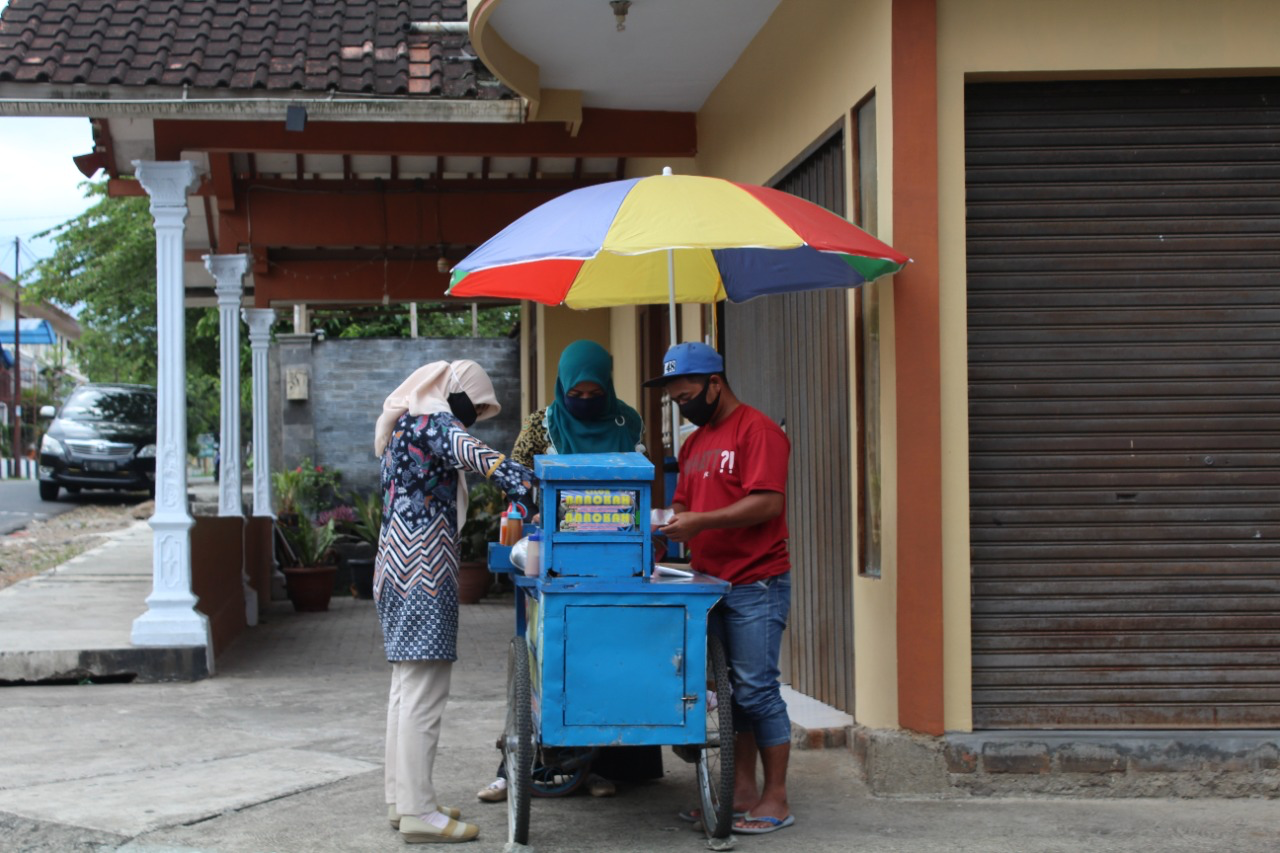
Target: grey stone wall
{"points": [[347, 382]]}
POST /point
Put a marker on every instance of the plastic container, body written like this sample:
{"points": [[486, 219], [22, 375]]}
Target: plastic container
{"points": [[533, 554], [515, 525]]}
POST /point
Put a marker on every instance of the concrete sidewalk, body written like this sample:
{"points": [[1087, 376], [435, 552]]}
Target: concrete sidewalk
{"points": [[282, 751]]}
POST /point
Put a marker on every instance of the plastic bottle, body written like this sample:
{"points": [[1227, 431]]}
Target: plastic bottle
{"points": [[515, 525], [533, 555]]}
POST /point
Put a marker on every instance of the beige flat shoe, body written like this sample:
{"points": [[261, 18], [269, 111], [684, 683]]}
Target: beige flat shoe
{"points": [[415, 831], [394, 816]]}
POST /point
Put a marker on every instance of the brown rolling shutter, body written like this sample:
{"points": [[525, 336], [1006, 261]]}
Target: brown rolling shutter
{"points": [[1124, 402], [788, 356]]}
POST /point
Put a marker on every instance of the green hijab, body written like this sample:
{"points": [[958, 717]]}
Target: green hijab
{"points": [[618, 427]]}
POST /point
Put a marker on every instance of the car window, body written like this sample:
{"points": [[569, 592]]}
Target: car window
{"points": [[96, 404]]}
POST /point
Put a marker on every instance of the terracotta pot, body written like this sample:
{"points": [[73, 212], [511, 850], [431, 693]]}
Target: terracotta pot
{"points": [[310, 587], [473, 580]]}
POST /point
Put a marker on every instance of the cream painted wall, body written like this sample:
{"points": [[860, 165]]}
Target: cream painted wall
{"points": [[624, 337], [1018, 39], [691, 326], [640, 167], [752, 126]]}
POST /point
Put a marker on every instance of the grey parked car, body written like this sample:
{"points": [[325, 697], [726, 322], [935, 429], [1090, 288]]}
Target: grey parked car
{"points": [[103, 438]]}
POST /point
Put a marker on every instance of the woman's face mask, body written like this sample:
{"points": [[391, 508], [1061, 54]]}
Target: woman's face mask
{"points": [[587, 408], [462, 407]]}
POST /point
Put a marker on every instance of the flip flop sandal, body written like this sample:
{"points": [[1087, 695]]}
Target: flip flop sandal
{"points": [[695, 815], [774, 824]]}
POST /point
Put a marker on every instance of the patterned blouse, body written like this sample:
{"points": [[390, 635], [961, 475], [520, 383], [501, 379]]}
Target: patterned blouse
{"points": [[533, 439], [415, 582]]}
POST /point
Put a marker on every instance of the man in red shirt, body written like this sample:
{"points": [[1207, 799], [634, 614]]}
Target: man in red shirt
{"points": [[730, 507]]}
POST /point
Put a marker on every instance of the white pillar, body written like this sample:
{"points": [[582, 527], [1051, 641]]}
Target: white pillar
{"points": [[171, 618], [228, 274], [259, 321]]}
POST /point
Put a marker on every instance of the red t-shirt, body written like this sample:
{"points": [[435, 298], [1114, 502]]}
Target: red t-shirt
{"points": [[719, 466]]}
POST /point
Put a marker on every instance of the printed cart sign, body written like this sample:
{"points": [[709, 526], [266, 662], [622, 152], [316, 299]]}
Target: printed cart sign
{"points": [[597, 511]]}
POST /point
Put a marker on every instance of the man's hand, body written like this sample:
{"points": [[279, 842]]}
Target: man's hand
{"points": [[684, 526]]}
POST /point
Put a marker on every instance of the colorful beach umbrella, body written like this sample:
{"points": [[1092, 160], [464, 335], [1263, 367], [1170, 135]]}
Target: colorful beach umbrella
{"points": [[671, 238]]}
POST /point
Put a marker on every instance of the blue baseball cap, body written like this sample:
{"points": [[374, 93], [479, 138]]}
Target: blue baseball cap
{"points": [[691, 359]]}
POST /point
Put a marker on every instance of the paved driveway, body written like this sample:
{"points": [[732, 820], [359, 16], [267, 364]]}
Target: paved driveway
{"points": [[20, 505]]}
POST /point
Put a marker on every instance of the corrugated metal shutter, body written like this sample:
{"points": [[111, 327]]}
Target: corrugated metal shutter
{"points": [[1124, 402], [788, 356]]}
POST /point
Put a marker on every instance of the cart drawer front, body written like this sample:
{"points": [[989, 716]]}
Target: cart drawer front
{"points": [[624, 666], [621, 558]]}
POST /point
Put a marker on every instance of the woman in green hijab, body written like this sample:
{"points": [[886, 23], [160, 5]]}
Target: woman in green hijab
{"points": [[586, 416]]}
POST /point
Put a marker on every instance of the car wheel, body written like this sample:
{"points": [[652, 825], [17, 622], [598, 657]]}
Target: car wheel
{"points": [[48, 491]]}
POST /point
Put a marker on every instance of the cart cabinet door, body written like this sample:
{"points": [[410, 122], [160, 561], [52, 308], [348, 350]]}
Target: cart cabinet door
{"points": [[624, 666]]}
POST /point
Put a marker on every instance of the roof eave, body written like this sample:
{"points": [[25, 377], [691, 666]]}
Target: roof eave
{"points": [[42, 99]]}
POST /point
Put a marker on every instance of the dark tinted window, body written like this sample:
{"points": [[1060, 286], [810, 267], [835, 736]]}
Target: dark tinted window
{"points": [[113, 405]]}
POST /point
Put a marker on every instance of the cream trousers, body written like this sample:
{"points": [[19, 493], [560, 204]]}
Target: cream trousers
{"points": [[419, 690]]}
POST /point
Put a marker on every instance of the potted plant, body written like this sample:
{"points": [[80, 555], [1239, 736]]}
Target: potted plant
{"points": [[286, 487], [346, 545], [310, 577], [366, 529], [484, 518], [305, 490]]}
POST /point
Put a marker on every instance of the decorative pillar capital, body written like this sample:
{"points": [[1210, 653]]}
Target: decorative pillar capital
{"points": [[167, 182], [228, 276], [259, 321]]}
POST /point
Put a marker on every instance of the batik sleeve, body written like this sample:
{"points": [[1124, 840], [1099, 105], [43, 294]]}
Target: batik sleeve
{"points": [[471, 454]]}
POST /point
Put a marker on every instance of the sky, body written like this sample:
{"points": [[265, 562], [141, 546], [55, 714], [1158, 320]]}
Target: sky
{"points": [[39, 185]]}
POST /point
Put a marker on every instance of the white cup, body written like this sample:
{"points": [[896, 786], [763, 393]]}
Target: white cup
{"points": [[660, 517]]}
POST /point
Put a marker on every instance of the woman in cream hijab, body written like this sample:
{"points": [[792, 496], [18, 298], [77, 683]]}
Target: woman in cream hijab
{"points": [[424, 446]]}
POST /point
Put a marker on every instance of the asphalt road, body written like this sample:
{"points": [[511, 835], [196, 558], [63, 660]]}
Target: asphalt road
{"points": [[20, 503]]}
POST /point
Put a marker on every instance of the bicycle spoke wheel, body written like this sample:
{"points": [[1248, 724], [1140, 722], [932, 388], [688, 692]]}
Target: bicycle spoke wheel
{"points": [[715, 758], [517, 741]]}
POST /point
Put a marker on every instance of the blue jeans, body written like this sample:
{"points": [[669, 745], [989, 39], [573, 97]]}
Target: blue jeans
{"points": [[749, 622]]}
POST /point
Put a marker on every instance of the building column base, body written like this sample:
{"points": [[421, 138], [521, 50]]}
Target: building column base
{"points": [[1190, 763]]}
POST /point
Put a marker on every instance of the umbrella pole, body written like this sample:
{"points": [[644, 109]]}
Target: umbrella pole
{"points": [[671, 325]]}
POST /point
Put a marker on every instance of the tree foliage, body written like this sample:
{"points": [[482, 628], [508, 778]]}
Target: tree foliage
{"points": [[435, 320], [104, 262]]}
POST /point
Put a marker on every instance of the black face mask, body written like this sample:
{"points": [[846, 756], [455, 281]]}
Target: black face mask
{"points": [[463, 409], [697, 410], [586, 408]]}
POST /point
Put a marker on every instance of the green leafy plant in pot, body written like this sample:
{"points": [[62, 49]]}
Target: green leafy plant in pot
{"points": [[365, 531], [310, 579], [484, 519]]}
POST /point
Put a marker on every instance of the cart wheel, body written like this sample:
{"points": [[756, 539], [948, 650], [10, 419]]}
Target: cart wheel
{"points": [[517, 741], [560, 772], [715, 759]]}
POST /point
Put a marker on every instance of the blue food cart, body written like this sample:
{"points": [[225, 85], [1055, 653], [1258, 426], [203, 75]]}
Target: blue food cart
{"points": [[609, 650]]}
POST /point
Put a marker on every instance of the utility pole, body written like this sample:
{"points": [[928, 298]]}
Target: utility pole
{"points": [[17, 360]]}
